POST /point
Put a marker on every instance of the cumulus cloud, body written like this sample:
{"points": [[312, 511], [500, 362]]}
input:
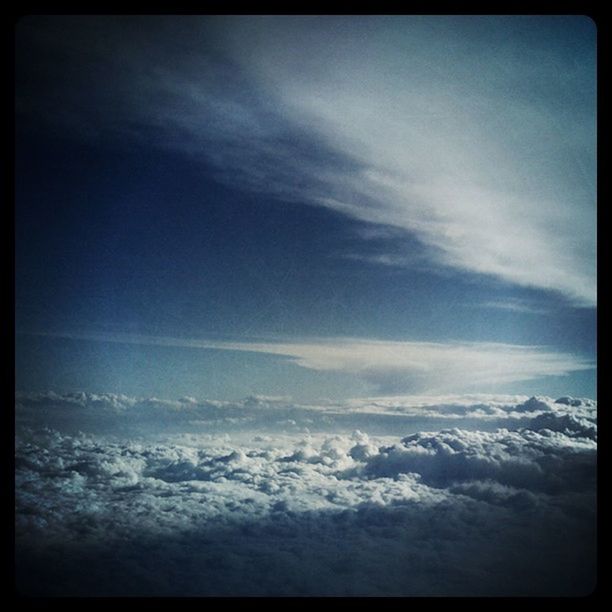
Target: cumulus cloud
{"points": [[108, 413], [517, 459], [448, 512], [488, 159]]}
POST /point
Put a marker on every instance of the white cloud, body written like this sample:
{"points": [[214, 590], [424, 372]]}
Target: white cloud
{"points": [[513, 305], [430, 366], [478, 175], [452, 512], [394, 366], [486, 157], [112, 413]]}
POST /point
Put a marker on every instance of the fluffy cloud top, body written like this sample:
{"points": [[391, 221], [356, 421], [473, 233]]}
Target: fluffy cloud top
{"points": [[112, 413], [449, 512]]}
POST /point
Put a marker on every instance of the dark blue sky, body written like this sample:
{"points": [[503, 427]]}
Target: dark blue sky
{"points": [[173, 184]]}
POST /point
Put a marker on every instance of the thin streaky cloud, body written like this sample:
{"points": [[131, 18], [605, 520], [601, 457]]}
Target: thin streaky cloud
{"points": [[391, 366], [376, 119], [513, 306]]}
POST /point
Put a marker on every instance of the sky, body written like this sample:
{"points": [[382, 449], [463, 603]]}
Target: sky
{"points": [[311, 207], [305, 306]]}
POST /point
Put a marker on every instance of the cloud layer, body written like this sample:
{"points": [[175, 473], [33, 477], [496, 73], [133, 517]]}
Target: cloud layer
{"points": [[393, 366], [112, 413], [449, 512], [475, 135]]}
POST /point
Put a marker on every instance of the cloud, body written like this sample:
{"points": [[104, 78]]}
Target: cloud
{"points": [[513, 305], [393, 366], [422, 365], [475, 135], [449, 512], [386, 416], [516, 459]]}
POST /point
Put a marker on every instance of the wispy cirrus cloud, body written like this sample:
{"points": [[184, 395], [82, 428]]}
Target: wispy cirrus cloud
{"points": [[475, 135], [513, 305], [401, 366]]}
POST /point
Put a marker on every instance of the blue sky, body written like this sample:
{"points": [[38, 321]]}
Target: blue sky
{"points": [[312, 207]]}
